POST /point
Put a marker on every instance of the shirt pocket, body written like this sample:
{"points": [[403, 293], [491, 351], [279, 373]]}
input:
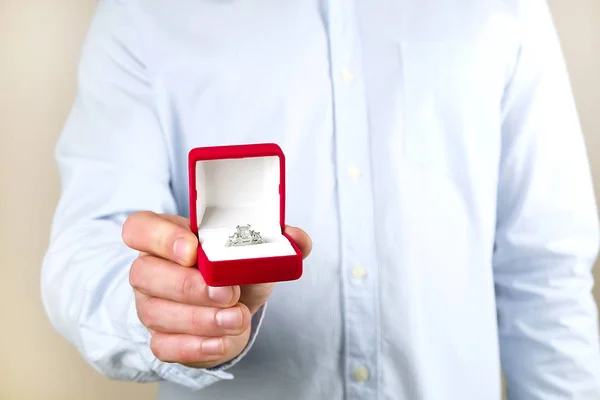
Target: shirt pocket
{"points": [[451, 94]]}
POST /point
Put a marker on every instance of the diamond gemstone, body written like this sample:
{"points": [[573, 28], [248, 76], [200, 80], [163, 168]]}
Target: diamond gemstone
{"points": [[244, 232]]}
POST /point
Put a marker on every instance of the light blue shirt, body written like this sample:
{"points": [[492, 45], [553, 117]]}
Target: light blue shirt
{"points": [[434, 156]]}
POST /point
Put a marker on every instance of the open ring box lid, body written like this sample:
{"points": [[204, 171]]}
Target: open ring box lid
{"points": [[241, 185]]}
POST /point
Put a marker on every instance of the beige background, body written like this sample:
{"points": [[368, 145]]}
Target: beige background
{"points": [[39, 48]]}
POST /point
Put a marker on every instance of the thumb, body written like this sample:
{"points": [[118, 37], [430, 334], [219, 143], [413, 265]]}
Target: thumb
{"points": [[254, 296], [301, 239]]}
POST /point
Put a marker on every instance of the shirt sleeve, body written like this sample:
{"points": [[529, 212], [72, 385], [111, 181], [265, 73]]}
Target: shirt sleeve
{"points": [[547, 227], [113, 160]]}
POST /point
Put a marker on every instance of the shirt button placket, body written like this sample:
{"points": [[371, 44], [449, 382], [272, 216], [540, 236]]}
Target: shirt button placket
{"points": [[361, 313]]}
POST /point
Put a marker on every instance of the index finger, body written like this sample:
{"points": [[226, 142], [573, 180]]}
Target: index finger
{"points": [[167, 237]]}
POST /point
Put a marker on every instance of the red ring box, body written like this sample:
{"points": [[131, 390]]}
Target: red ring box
{"points": [[239, 185]]}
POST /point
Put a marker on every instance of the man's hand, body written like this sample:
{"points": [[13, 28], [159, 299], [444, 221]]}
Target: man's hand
{"points": [[190, 323]]}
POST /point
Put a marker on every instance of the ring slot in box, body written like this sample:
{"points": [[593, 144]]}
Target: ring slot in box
{"points": [[240, 185]]}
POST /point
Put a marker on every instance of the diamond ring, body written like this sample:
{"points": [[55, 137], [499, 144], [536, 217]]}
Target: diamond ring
{"points": [[244, 236]]}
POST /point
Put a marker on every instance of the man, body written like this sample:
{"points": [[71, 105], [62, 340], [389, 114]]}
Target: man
{"points": [[434, 157]]}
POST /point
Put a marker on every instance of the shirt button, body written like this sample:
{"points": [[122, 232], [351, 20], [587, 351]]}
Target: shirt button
{"points": [[361, 374], [354, 173], [347, 75], [359, 273]]}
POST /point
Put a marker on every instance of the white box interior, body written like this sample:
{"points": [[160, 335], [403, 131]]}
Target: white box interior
{"points": [[241, 191]]}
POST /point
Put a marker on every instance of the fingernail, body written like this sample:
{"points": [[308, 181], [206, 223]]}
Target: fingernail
{"points": [[181, 248], [213, 346], [230, 318], [221, 295]]}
